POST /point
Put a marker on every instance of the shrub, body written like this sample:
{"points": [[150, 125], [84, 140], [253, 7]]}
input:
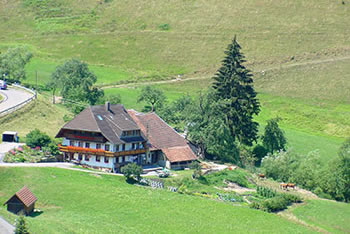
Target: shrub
{"points": [[36, 138], [164, 27], [274, 204], [21, 227], [132, 169], [266, 192], [291, 198]]}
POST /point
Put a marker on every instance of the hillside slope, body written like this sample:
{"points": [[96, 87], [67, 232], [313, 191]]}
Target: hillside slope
{"points": [[154, 38], [69, 205]]}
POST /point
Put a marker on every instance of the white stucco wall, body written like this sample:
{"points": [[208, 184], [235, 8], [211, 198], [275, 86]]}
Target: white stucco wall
{"points": [[92, 161]]}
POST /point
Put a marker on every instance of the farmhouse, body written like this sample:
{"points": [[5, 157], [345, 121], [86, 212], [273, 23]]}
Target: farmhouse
{"points": [[165, 145], [21, 202], [108, 137]]}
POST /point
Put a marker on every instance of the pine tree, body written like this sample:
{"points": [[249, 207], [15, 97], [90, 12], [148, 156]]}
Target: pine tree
{"points": [[233, 86], [21, 227]]}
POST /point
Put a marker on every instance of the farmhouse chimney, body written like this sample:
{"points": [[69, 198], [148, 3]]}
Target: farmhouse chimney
{"points": [[108, 106]]}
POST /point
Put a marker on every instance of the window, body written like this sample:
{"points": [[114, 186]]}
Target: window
{"points": [[106, 159], [98, 146], [123, 147], [87, 157], [87, 145], [79, 144], [133, 146], [123, 159], [80, 157], [116, 148], [107, 147], [98, 158], [71, 143]]}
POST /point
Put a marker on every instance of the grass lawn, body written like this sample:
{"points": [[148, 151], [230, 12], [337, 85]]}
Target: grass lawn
{"points": [[329, 215], [70, 206]]}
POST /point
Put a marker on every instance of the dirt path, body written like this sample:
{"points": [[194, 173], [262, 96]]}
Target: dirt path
{"points": [[285, 66]]}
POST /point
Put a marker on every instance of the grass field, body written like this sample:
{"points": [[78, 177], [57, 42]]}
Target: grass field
{"points": [[69, 205], [40, 114], [329, 215], [129, 43]]}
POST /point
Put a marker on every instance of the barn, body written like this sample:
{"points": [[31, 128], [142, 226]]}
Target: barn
{"points": [[21, 202]]}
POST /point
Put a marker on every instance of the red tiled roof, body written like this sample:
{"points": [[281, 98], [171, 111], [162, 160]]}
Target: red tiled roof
{"points": [[179, 153], [160, 135], [163, 137], [25, 196]]}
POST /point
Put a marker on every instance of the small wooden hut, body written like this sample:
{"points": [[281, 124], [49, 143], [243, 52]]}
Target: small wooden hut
{"points": [[21, 202]]}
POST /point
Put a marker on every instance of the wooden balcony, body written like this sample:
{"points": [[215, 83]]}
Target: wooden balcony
{"points": [[84, 137], [130, 152], [76, 149]]}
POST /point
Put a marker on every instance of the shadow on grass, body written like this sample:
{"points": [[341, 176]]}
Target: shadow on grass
{"points": [[36, 213], [131, 180]]}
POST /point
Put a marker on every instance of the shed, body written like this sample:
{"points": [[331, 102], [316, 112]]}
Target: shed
{"points": [[9, 136], [21, 202]]}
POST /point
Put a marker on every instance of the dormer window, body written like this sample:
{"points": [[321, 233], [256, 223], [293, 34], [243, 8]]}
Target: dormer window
{"points": [[131, 133]]}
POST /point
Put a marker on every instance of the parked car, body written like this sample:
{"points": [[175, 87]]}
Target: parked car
{"points": [[3, 84]]}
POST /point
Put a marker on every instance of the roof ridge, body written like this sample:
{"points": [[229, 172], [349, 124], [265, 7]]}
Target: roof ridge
{"points": [[93, 116]]}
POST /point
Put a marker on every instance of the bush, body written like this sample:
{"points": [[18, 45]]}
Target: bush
{"points": [[266, 192], [274, 204], [35, 138], [291, 198], [21, 227], [164, 27], [132, 169]]}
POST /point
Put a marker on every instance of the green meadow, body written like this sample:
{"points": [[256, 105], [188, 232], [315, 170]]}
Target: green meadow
{"points": [[79, 202], [329, 215], [299, 52]]}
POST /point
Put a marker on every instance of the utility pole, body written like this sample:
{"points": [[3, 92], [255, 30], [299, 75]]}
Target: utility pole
{"points": [[36, 81]]}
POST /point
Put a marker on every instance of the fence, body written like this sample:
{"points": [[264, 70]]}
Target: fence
{"points": [[21, 104]]}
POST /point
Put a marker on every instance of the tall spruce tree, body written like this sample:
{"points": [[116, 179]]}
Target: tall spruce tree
{"points": [[234, 92]]}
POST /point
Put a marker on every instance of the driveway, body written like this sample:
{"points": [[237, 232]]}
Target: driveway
{"points": [[5, 227], [6, 147], [13, 97]]}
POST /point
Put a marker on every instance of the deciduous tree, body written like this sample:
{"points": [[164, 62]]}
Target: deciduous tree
{"points": [[12, 63], [37, 138], [153, 96], [76, 83], [273, 138], [132, 169]]}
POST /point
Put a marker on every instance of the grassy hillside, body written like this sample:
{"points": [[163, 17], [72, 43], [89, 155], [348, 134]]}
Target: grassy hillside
{"points": [[153, 39], [68, 205], [317, 213], [40, 114]]}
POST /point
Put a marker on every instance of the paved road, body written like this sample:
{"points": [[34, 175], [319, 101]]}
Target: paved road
{"points": [[13, 97], [6, 147], [5, 227]]}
